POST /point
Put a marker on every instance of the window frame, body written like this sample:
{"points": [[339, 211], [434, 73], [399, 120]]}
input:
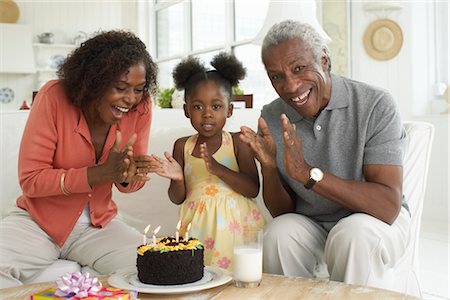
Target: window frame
{"points": [[229, 44], [230, 26]]}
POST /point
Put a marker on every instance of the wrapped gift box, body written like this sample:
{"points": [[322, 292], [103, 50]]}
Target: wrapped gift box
{"points": [[109, 293]]}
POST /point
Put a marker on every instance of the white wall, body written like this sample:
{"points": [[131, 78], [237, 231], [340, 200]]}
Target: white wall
{"points": [[409, 77], [411, 74], [64, 19], [394, 75]]}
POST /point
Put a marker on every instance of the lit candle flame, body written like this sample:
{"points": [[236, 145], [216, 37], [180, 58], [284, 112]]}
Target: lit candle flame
{"points": [[147, 228], [144, 240], [156, 230], [154, 234], [187, 231], [177, 234]]}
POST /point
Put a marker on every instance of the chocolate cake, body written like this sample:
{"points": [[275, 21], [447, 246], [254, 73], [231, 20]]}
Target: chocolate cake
{"points": [[169, 262]]}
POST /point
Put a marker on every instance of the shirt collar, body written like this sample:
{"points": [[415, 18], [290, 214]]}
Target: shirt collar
{"points": [[83, 128], [339, 94]]}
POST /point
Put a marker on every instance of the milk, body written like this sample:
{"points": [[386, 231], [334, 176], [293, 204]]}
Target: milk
{"points": [[247, 264]]}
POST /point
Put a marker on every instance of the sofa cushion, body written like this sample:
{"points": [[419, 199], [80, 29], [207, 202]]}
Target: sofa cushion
{"points": [[11, 128]]}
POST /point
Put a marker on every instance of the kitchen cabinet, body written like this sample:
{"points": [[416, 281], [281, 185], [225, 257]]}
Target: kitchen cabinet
{"points": [[16, 50]]}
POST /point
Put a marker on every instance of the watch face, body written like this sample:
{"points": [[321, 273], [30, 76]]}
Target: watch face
{"points": [[316, 174]]}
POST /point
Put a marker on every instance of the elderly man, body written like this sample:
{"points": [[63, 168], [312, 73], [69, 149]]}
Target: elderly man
{"points": [[331, 152]]}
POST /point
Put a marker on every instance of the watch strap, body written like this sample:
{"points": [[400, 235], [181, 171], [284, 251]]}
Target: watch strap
{"points": [[311, 182]]}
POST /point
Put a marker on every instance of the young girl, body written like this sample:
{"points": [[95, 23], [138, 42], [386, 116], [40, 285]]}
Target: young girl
{"points": [[213, 174]]}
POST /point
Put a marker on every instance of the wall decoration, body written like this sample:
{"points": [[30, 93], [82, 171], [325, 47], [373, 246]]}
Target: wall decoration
{"points": [[55, 61], [80, 38], [383, 39], [9, 11], [6, 95], [334, 17], [46, 38]]}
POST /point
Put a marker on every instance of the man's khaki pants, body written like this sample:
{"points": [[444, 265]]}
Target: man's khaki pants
{"points": [[359, 249]]}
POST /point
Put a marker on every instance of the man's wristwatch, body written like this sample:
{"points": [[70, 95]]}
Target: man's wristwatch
{"points": [[315, 175]]}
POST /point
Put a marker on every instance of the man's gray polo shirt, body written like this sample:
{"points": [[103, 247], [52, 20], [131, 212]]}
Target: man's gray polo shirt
{"points": [[360, 125]]}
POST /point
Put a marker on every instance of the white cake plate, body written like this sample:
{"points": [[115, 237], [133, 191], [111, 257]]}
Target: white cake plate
{"points": [[127, 279]]}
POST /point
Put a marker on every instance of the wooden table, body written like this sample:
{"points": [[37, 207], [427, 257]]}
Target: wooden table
{"points": [[272, 287]]}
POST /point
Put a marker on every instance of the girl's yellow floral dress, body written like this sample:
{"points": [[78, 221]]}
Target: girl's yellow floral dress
{"points": [[215, 211]]}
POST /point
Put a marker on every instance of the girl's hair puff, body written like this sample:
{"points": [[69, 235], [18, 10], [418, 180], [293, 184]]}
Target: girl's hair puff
{"points": [[229, 67], [186, 70], [227, 73]]}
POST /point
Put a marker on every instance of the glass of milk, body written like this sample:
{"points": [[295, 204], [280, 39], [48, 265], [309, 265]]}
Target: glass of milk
{"points": [[247, 258]]}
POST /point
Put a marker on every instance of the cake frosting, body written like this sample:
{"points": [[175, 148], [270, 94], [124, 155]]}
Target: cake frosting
{"points": [[168, 262]]}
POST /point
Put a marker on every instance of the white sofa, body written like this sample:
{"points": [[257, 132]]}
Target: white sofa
{"points": [[152, 205]]}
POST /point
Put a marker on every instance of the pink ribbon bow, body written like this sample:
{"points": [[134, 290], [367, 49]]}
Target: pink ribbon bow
{"points": [[77, 284]]}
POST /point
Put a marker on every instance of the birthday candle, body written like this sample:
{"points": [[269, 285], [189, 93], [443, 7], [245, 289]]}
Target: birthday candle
{"points": [[177, 234], [154, 234], [144, 241], [187, 231]]}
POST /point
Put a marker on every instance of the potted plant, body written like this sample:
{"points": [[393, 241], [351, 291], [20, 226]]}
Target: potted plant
{"points": [[164, 98], [239, 96], [237, 90]]}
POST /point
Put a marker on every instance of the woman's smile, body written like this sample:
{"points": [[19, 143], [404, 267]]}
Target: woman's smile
{"points": [[118, 112]]}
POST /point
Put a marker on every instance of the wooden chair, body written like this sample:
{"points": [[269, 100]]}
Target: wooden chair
{"points": [[248, 99]]}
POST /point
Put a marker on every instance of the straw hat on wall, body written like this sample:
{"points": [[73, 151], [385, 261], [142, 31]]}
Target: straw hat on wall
{"points": [[383, 39], [9, 11]]}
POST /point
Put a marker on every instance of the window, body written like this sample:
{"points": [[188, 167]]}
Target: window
{"points": [[203, 28], [248, 25], [257, 80], [169, 24], [165, 72], [208, 23]]}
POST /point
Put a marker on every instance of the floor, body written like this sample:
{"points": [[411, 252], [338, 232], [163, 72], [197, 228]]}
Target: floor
{"points": [[434, 259]]}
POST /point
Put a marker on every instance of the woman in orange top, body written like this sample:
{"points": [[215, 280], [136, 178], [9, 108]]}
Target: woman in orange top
{"points": [[85, 132]]}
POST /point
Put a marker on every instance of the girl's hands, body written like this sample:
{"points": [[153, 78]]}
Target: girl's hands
{"points": [[211, 164], [168, 167]]}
